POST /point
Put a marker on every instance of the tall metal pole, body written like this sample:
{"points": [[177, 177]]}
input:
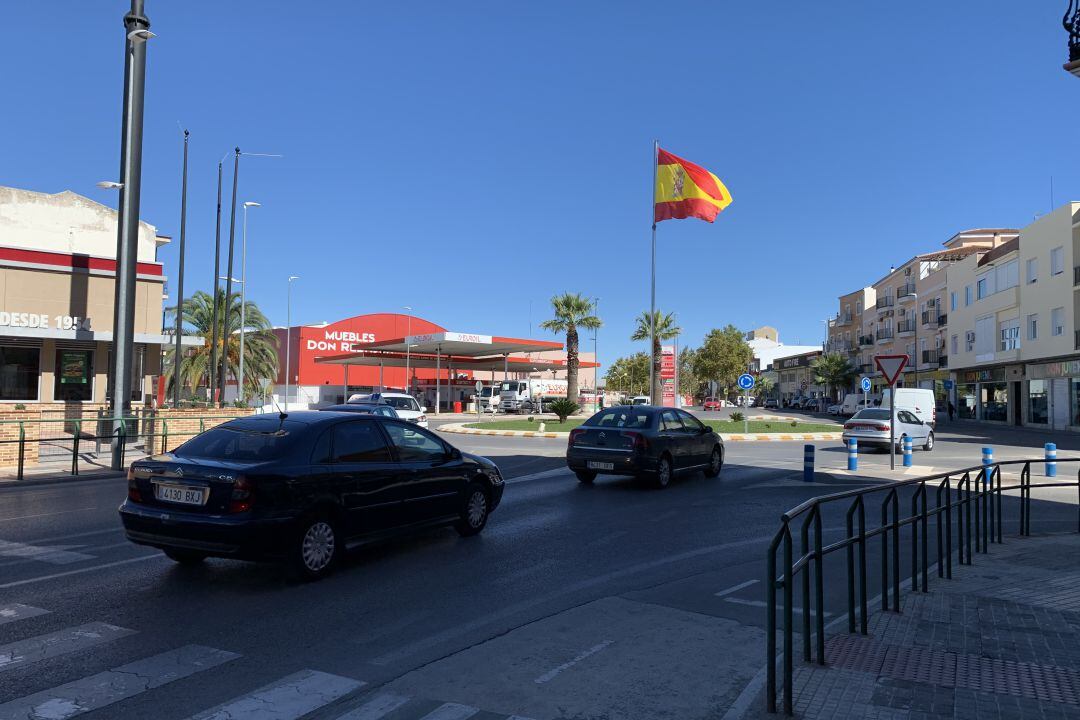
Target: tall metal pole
{"points": [[652, 293], [595, 357], [136, 32], [288, 340], [243, 302], [408, 348], [217, 274], [228, 285], [180, 281]]}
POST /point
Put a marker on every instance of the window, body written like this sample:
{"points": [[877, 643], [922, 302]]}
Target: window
{"points": [[1007, 276], [981, 289], [967, 295], [321, 454], [669, 422], [969, 341], [1009, 335], [1057, 260], [359, 442], [691, 423], [414, 444], [952, 301], [1057, 321], [20, 368], [984, 337], [622, 418], [400, 403], [1033, 327], [906, 417], [955, 346], [1032, 270], [858, 308], [74, 376], [1038, 410], [255, 439]]}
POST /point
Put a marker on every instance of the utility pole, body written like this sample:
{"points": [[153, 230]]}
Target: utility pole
{"points": [[180, 281], [217, 273], [136, 33], [228, 287]]}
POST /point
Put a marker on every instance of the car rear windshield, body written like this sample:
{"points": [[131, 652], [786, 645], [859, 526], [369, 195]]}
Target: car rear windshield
{"points": [[248, 440], [871, 415], [401, 403], [629, 418]]}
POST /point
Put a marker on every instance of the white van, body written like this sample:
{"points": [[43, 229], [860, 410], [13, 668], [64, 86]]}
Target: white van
{"points": [[918, 401]]}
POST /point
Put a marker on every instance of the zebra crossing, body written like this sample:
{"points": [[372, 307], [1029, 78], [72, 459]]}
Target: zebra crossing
{"points": [[302, 694]]}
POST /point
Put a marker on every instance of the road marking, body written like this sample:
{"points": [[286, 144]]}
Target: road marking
{"points": [[377, 708], [451, 711], [539, 475], [287, 699], [39, 553], [736, 588], [40, 515], [92, 568], [61, 642], [58, 538], [18, 611], [762, 604], [550, 674], [97, 691]]}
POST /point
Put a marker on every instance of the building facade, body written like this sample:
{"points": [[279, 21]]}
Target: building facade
{"points": [[795, 377]]}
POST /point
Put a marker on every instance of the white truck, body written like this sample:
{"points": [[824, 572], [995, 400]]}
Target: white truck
{"points": [[490, 398], [528, 395]]}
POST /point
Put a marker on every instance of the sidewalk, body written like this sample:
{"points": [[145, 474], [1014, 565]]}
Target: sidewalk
{"points": [[999, 640]]}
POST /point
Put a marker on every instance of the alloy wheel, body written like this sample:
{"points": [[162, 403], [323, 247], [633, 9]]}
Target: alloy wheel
{"points": [[663, 472], [318, 547], [476, 510]]}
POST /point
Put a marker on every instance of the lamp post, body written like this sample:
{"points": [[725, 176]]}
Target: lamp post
{"points": [[915, 298], [136, 33], [408, 347], [595, 357], [243, 299], [180, 280], [1071, 23], [288, 340], [214, 313]]}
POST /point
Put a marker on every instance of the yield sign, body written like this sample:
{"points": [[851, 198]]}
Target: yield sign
{"points": [[890, 366]]}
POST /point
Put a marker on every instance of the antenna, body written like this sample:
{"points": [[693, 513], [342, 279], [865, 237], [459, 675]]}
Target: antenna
{"points": [[1051, 193]]}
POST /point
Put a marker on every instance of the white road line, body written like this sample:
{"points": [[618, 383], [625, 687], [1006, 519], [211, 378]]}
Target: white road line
{"points": [[58, 538], [539, 475], [736, 588], [39, 553], [518, 717], [61, 642], [97, 691], [289, 698], [761, 604], [41, 515], [551, 674], [376, 708], [18, 611], [92, 568], [451, 711]]}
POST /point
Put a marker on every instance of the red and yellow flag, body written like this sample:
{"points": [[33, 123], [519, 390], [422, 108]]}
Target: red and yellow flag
{"points": [[684, 190]]}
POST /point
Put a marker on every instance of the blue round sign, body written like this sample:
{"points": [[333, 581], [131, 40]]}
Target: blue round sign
{"points": [[746, 381], [865, 384]]}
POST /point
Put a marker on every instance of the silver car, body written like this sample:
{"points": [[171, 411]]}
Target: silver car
{"points": [[871, 427]]}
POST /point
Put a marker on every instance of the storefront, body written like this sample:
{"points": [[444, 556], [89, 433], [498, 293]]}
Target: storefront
{"points": [[990, 395], [1052, 395], [796, 377]]}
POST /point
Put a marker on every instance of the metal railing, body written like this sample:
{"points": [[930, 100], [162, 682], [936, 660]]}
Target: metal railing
{"points": [[885, 302], [978, 492], [866, 340], [905, 326], [883, 335]]}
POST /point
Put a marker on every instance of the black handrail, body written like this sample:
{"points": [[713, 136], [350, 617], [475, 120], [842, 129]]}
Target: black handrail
{"points": [[978, 492]]}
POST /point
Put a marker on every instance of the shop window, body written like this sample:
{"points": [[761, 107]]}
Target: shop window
{"points": [[20, 368], [74, 376], [1038, 409], [995, 401], [1074, 401], [966, 401]]}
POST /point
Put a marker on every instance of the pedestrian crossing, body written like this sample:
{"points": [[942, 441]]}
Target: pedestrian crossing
{"points": [[304, 693]]}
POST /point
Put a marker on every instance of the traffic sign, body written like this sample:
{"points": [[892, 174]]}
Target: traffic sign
{"points": [[746, 381], [891, 366], [479, 386], [947, 384], [865, 384]]}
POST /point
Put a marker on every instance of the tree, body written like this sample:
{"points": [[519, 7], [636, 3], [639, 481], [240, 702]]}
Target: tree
{"points": [[572, 310], [723, 356], [260, 344], [689, 382], [833, 371], [629, 375], [666, 329], [764, 386]]}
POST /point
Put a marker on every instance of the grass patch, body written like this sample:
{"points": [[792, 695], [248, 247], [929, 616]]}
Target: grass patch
{"points": [[721, 426]]}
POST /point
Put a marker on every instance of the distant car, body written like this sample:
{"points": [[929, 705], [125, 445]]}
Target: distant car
{"points": [[871, 427], [406, 406], [641, 400], [772, 403], [645, 441], [711, 403], [364, 408], [835, 409]]}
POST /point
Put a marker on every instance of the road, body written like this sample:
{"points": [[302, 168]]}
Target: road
{"points": [[611, 601]]}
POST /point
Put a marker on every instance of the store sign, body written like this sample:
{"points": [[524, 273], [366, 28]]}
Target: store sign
{"points": [[994, 375], [43, 321], [667, 375], [448, 337], [74, 367], [797, 361], [1069, 368], [339, 341]]}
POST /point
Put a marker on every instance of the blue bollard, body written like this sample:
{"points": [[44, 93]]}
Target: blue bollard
{"points": [[988, 456], [808, 463], [853, 454], [907, 452], [1051, 460]]}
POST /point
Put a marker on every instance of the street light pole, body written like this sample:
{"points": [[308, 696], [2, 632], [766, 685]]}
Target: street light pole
{"points": [[180, 281], [217, 272], [137, 32], [243, 299], [408, 347], [595, 356], [228, 286], [288, 340]]}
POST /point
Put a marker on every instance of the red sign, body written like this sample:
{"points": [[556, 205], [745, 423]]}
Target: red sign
{"points": [[667, 375], [891, 366]]}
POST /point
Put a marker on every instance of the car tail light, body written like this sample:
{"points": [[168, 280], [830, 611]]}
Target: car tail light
{"points": [[243, 495], [882, 428], [849, 426], [637, 441], [134, 494], [575, 434]]}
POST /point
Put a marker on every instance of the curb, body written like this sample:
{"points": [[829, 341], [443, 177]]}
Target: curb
{"points": [[32, 481], [460, 429]]}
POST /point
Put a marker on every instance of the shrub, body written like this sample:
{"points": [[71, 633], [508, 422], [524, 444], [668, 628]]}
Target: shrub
{"points": [[531, 418], [20, 406], [563, 408], [737, 417], [794, 423]]}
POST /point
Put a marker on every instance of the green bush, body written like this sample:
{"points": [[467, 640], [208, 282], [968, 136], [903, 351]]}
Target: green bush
{"points": [[563, 408], [794, 423], [737, 417], [20, 406]]}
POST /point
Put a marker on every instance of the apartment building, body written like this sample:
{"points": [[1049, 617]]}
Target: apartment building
{"points": [[846, 327], [796, 377]]}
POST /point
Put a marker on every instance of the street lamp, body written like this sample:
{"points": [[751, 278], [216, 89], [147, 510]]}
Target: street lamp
{"points": [[110, 185], [288, 340], [1071, 23], [595, 357], [915, 298], [243, 299], [408, 346]]}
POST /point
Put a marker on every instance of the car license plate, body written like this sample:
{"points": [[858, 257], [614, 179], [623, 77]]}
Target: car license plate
{"points": [[183, 494], [594, 465]]}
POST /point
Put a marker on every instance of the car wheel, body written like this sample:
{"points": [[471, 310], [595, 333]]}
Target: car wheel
{"points": [[663, 472], [185, 557], [716, 462], [474, 511], [929, 442], [315, 548], [585, 477]]}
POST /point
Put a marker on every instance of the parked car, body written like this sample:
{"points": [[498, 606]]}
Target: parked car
{"points": [[772, 403], [854, 402], [641, 400], [711, 403], [645, 441], [871, 427], [364, 408], [303, 487], [406, 406], [835, 409]]}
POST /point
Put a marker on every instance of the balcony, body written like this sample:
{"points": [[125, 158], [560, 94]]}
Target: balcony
{"points": [[866, 340], [935, 357], [865, 368], [905, 327], [839, 346], [932, 318], [907, 288], [841, 320], [885, 302], [883, 335]]}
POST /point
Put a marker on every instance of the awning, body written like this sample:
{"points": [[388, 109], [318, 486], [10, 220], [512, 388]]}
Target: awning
{"points": [[376, 358], [462, 344]]}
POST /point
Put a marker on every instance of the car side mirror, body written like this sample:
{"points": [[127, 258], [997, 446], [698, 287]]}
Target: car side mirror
{"points": [[423, 408], [455, 454], [704, 430]]}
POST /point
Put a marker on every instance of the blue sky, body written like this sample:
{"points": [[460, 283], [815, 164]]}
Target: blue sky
{"points": [[471, 159]]}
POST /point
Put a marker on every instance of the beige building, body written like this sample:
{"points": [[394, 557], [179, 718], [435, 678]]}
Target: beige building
{"points": [[796, 378], [57, 269]]}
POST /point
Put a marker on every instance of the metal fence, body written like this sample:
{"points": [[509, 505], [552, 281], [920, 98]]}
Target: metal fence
{"points": [[969, 498]]}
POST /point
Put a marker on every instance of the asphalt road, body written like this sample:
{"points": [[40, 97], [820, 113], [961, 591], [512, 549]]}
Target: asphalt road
{"points": [[611, 601]]}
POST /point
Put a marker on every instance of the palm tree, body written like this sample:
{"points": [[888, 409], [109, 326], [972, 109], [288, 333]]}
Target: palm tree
{"points": [[572, 310], [666, 329], [832, 370], [260, 344]]}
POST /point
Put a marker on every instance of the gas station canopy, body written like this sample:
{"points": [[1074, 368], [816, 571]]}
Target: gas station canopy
{"points": [[461, 344], [416, 360]]}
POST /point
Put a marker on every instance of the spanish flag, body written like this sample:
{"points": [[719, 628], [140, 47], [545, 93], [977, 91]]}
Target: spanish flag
{"points": [[684, 190]]}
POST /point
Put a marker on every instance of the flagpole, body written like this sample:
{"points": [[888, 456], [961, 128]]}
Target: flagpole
{"points": [[652, 294]]}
